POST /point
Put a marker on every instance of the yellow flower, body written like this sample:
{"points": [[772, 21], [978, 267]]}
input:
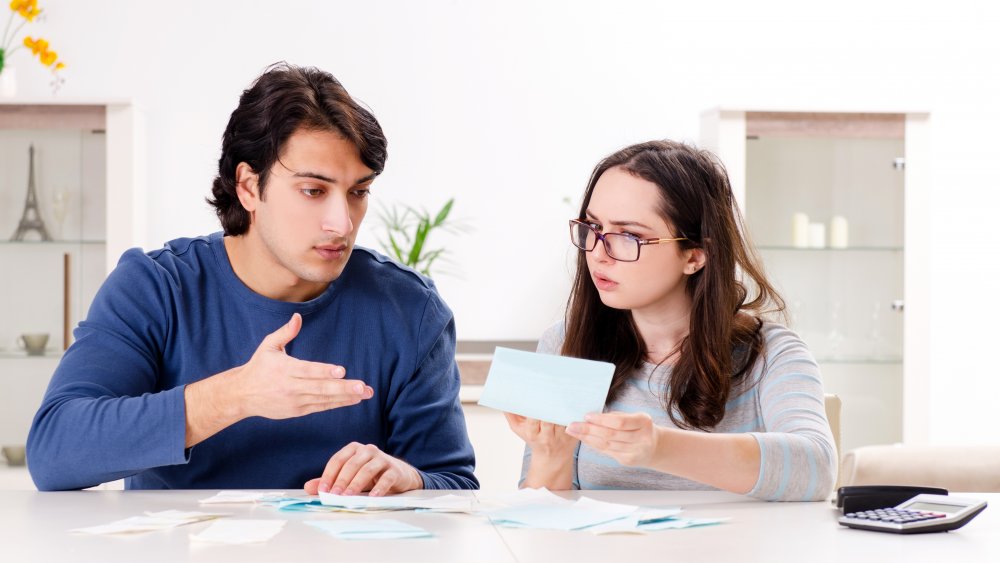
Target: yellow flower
{"points": [[37, 46], [29, 11], [27, 8], [40, 47]]}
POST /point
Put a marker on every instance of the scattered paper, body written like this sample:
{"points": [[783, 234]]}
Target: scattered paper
{"points": [[152, 521], [583, 513], [364, 529], [637, 522], [527, 496], [240, 531], [555, 389], [678, 523], [225, 497], [445, 503]]}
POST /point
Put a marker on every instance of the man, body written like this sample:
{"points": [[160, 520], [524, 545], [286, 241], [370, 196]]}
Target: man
{"points": [[276, 355]]}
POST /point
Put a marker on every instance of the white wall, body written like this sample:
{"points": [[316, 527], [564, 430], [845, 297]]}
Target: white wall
{"points": [[508, 105]]}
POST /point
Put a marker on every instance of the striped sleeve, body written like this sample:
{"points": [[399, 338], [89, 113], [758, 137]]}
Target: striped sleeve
{"points": [[798, 456]]}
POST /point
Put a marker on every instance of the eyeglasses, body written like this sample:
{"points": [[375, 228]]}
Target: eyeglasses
{"points": [[619, 246]]}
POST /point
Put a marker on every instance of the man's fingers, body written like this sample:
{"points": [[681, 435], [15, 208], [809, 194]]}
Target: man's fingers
{"points": [[278, 339], [366, 476], [384, 483], [315, 370], [312, 486], [361, 456], [335, 389], [333, 467]]}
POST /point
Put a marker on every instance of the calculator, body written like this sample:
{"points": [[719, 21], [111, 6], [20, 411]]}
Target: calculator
{"points": [[920, 514]]}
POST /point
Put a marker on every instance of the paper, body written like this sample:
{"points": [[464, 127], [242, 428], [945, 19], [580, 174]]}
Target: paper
{"points": [[364, 529], [555, 389], [638, 522], [152, 521], [240, 531], [225, 497], [525, 496], [583, 513], [445, 503]]}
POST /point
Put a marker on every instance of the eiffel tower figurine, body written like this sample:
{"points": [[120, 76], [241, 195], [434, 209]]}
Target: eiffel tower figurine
{"points": [[31, 219]]}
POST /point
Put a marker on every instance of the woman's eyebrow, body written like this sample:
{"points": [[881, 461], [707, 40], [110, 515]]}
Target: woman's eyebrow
{"points": [[621, 223]]}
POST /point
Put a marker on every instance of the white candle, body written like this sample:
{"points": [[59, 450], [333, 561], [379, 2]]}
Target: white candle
{"points": [[838, 232], [800, 230], [817, 235]]}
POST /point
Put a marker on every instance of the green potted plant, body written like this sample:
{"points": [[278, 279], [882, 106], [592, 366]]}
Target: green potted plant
{"points": [[406, 231]]}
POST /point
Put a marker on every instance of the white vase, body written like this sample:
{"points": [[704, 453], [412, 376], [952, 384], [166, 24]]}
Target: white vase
{"points": [[8, 82]]}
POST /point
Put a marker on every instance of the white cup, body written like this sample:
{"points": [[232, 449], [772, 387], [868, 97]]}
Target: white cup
{"points": [[34, 343]]}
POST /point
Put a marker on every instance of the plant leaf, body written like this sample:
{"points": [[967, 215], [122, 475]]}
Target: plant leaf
{"points": [[443, 214]]}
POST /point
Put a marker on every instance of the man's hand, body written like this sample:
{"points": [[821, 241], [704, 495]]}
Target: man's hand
{"points": [[272, 384], [275, 385], [357, 468]]}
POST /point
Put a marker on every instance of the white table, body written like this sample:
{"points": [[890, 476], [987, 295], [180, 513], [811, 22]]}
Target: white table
{"points": [[34, 528]]}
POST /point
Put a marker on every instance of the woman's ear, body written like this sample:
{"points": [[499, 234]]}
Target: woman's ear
{"points": [[696, 259], [246, 186]]}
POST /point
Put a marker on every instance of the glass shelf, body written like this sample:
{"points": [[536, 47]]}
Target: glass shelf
{"points": [[50, 242], [885, 360], [828, 249], [21, 354]]}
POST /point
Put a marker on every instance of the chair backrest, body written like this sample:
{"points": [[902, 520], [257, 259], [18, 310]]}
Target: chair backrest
{"points": [[956, 468], [832, 403]]}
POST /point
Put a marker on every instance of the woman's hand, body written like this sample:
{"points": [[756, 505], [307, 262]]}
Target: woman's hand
{"points": [[544, 438], [552, 461], [629, 438]]}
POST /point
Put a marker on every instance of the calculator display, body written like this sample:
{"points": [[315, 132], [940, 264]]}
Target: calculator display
{"points": [[934, 507]]}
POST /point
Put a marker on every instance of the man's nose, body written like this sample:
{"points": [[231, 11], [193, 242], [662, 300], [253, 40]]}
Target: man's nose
{"points": [[337, 216]]}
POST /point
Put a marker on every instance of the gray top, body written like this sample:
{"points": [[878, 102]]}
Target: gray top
{"points": [[780, 404]]}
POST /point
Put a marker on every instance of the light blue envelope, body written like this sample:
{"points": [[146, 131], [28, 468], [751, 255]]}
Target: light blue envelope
{"points": [[555, 389]]}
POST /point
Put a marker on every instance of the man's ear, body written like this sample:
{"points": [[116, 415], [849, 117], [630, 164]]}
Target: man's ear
{"points": [[247, 187], [696, 259]]}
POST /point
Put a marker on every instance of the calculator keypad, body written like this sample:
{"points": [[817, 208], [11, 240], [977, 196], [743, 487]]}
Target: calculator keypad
{"points": [[895, 515]]}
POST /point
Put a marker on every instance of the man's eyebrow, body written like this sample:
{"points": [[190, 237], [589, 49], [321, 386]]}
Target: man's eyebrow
{"points": [[621, 223], [321, 177]]}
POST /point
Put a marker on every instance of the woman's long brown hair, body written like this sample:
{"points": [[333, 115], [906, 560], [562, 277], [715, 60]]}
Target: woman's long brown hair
{"points": [[724, 339]]}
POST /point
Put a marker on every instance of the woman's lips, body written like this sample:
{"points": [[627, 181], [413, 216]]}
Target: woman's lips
{"points": [[604, 283]]}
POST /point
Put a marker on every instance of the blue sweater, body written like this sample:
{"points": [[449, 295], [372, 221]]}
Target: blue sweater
{"points": [[115, 405]]}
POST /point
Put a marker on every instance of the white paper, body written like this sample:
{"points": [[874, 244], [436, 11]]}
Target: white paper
{"points": [[366, 529], [152, 521], [224, 497], [445, 503], [240, 531]]}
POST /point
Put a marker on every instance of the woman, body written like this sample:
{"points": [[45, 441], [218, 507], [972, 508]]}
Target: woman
{"points": [[706, 393]]}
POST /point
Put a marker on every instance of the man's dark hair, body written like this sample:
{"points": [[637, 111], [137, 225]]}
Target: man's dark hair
{"points": [[284, 99]]}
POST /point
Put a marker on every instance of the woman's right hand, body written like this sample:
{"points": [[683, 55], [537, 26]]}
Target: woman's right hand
{"points": [[552, 465], [544, 438]]}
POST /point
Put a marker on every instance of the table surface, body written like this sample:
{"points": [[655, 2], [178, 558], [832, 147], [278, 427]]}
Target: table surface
{"points": [[35, 528]]}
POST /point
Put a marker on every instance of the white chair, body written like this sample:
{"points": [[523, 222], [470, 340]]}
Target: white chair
{"points": [[956, 468]]}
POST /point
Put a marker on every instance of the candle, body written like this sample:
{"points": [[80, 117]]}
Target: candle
{"points": [[817, 235], [800, 230], [838, 232]]}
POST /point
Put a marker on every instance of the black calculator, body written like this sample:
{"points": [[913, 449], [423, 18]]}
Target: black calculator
{"points": [[920, 514]]}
